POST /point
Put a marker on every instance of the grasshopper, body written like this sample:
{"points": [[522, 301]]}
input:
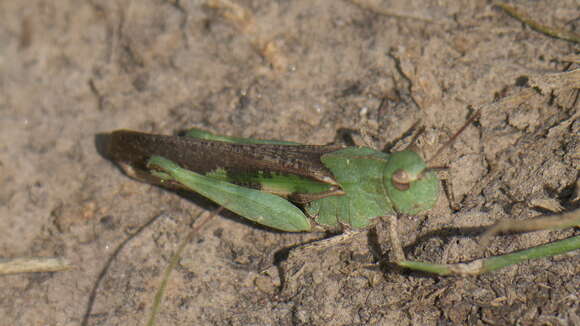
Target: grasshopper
{"points": [[339, 188]]}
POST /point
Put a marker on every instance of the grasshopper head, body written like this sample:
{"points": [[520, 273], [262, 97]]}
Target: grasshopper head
{"points": [[410, 185]]}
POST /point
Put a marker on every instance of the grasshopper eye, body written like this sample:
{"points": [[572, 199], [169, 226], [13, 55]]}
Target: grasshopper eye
{"points": [[401, 180]]}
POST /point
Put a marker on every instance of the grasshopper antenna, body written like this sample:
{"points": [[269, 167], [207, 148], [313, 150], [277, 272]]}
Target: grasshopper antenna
{"points": [[454, 137], [413, 144], [421, 130]]}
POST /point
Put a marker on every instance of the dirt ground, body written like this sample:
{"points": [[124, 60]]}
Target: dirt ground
{"points": [[293, 70]]}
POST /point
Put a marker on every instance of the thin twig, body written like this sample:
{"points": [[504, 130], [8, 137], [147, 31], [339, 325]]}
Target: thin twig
{"points": [[174, 260], [550, 31]]}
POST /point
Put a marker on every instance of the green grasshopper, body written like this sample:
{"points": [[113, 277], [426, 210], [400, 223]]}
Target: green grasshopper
{"points": [[339, 188]]}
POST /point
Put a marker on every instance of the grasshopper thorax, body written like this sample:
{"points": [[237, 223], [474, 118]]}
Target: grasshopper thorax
{"points": [[410, 185]]}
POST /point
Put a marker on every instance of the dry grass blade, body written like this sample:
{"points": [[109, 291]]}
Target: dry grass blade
{"points": [[33, 265]]}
